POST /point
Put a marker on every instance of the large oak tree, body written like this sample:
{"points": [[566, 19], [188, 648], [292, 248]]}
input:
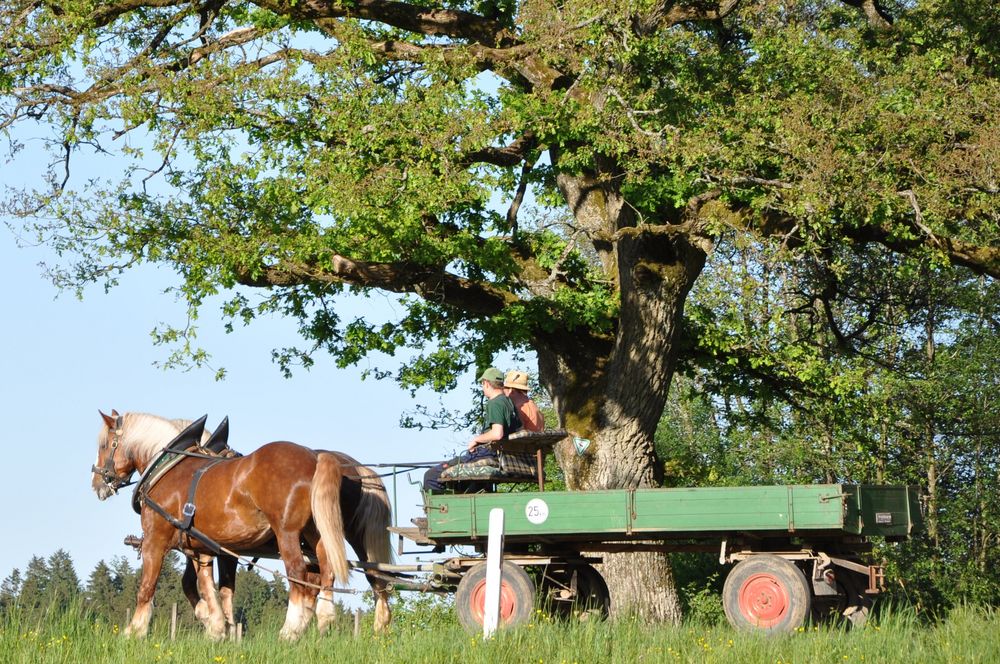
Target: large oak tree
{"points": [[533, 175]]}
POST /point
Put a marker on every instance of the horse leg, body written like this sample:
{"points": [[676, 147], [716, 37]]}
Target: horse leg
{"points": [[227, 588], [383, 615], [326, 612], [212, 615], [299, 600], [152, 563], [359, 542], [189, 584]]}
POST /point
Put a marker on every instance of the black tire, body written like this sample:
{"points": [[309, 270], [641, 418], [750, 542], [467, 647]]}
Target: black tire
{"points": [[768, 594], [517, 597], [577, 591]]}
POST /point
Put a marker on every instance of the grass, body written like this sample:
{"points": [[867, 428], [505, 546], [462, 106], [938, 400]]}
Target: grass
{"points": [[967, 635]]}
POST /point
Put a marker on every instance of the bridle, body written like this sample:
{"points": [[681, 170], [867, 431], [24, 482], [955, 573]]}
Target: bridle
{"points": [[108, 474]]}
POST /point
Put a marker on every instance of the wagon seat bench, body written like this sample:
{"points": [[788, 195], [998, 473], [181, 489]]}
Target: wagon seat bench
{"points": [[520, 458]]}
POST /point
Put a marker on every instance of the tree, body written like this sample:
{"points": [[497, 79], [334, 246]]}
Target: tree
{"points": [[63, 583], [34, 588], [127, 580], [865, 369], [101, 593], [258, 601], [306, 150], [10, 591]]}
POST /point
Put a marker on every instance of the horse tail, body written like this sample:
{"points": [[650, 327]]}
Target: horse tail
{"points": [[325, 501], [374, 516]]}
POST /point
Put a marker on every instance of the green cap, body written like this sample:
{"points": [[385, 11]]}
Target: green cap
{"points": [[493, 375]]}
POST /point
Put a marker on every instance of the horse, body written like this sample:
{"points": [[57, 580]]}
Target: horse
{"points": [[279, 495], [366, 514]]}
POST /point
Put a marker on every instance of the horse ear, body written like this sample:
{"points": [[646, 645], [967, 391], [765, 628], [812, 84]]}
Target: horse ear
{"points": [[109, 420]]}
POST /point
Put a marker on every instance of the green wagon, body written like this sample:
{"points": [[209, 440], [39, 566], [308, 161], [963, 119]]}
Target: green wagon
{"points": [[798, 551]]}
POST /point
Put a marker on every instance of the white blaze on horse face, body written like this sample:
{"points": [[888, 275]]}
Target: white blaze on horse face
{"points": [[97, 482]]}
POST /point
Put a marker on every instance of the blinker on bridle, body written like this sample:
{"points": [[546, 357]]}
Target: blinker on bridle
{"points": [[107, 472]]}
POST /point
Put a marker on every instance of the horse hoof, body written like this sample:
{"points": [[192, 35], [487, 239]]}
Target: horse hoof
{"points": [[288, 635]]}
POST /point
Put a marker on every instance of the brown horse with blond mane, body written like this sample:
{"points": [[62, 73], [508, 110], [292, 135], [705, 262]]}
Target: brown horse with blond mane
{"points": [[282, 494]]}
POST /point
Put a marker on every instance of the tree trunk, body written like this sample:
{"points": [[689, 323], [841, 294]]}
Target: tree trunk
{"points": [[612, 390]]}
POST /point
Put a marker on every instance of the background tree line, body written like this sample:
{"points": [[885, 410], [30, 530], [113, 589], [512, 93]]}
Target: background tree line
{"points": [[51, 585]]}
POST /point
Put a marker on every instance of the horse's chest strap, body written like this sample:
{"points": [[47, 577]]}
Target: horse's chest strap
{"points": [[186, 522], [187, 512]]}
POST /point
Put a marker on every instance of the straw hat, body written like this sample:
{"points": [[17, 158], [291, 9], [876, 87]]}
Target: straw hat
{"points": [[516, 379]]}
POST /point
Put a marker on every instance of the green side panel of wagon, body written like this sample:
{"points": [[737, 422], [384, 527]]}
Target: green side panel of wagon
{"points": [[884, 511], [816, 508]]}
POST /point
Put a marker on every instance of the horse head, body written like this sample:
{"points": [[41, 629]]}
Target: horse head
{"points": [[113, 466]]}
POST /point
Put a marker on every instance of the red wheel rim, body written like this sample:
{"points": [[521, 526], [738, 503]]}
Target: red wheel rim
{"points": [[477, 602], [763, 600]]}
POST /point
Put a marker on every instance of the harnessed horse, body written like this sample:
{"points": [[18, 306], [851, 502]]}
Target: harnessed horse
{"points": [[277, 496], [367, 515]]}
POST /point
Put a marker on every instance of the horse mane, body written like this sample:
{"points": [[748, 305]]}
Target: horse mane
{"points": [[146, 434]]}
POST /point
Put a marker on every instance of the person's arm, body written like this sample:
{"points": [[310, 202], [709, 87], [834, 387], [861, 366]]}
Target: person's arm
{"points": [[494, 433]]}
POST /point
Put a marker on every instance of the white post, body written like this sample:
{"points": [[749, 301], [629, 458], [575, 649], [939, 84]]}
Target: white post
{"points": [[494, 573]]}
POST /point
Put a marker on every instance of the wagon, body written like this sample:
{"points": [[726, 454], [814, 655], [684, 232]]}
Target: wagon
{"points": [[797, 552]]}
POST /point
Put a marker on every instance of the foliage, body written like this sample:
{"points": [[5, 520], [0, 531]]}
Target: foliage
{"points": [[318, 153], [48, 589], [882, 371], [963, 635]]}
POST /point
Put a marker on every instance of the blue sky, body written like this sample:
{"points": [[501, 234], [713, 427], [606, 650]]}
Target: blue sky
{"points": [[64, 359]]}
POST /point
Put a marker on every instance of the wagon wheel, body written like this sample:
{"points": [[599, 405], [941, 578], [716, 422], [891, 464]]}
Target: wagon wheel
{"points": [[517, 597], [578, 591], [766, 593]]}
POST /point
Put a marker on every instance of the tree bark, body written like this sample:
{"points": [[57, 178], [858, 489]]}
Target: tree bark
{"points": [[612, 390]]}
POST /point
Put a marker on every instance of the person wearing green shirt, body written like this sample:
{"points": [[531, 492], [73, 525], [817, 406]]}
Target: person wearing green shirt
{"points": [[501, 421]]}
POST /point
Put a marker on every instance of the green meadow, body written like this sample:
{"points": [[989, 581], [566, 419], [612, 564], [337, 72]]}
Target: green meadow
{"points": [[964, 635]]}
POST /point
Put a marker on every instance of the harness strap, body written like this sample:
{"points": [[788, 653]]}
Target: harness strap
{"points": [[191, 531], [189, 508], [186, 524]]}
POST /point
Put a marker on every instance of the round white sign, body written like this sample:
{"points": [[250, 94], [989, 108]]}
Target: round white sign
{"points": [[537, 511]]}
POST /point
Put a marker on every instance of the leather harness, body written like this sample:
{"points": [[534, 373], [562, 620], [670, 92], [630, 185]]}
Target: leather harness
{"points": [[185, 444]]}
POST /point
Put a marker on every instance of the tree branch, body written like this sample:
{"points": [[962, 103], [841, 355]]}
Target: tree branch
{"points": [[876, 14], [432, 284], [432, 21]]}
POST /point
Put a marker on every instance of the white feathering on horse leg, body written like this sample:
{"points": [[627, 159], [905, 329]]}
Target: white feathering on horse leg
{"points": [[326, 612], [139, 626], [383, 616], [296, 620]]}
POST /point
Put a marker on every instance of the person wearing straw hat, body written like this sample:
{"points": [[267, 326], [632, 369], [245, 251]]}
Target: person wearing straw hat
{"points": [[515, 385], [501, 421]]}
